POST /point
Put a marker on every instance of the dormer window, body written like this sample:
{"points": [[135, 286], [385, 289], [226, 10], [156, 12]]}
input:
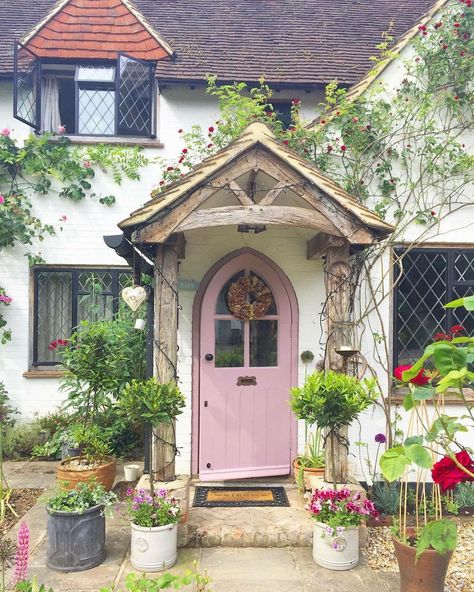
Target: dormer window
{"points": [[113, 98]]}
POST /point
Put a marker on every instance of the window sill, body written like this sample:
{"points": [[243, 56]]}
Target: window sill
{"points": [[399, 394], [43, 374], [114, 140]]}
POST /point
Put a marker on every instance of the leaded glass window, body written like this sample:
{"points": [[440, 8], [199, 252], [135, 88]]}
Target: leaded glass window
{"points": [[427, 279], [65, 297]]}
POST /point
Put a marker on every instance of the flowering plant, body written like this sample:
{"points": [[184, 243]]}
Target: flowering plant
{"points": [[340, 509], [152, 509]]}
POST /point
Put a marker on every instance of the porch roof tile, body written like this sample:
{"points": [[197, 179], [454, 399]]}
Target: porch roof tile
{"points": [[256, 135]]}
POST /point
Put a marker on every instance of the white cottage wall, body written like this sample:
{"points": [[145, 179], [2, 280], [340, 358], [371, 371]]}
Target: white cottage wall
{"points": [[81, 243]]}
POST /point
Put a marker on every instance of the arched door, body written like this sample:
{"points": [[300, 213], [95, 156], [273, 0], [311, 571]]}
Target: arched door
{"points": [[246, 426]]}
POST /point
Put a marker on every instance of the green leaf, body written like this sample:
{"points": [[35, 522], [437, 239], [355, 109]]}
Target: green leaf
{"points": [[467, 302], [446, 358], [408, 402], [419, 455], [422, 393], [393, 462], [440, 535], [418, 365], [413, 440]]}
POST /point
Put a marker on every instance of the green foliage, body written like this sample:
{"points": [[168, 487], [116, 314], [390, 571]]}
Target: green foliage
{"points": [[141, 583], [332, 399], [21, 439], [80, 499], [313, 455], [464, 495], [7, 412], [394, 461], [386, 497], [93, 442], [101, 358], [31, 586], [440, 535], [148, 401]]}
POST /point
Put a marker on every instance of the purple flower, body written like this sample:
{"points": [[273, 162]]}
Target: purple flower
{"points": [[2, 199], [162, 493], [380, 438], [22, 553]]}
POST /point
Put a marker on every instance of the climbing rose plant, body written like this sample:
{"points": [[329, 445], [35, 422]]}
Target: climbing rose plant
{"points": [[45, 165]]}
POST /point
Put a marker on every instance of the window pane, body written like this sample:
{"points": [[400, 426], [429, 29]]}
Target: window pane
{"points": [[94, 297], [272, 309], [263, 343], [135, 96], [221, 307], [54, 311], [95, 74], [96, 111], [464, 267], [422, 292], [229, 350]]}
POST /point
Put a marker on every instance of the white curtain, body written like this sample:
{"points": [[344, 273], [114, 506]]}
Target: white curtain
{"points": [[50, 115]]}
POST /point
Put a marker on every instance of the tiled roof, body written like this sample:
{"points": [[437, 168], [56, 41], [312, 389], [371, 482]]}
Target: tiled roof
{"points": [[289, 41], [256, 135], [96, 29]]}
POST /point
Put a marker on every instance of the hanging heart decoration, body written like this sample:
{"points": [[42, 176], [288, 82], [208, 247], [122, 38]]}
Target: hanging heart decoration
{"points": [[134, 296]]}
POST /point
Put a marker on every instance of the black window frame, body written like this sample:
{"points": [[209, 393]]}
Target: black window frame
{"points": [[75, 292], [451, 253], [120, 130]]}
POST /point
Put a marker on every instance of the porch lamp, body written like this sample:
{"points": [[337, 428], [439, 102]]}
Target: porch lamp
{"points": [[344, 337], [251, 228]]}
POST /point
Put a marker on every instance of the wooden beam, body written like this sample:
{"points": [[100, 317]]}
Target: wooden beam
{"points": [[271, 196], [257, 214], [351, 229], [316, 247], [159, 231], [166, 353], [177, 242], [240, 194], [337, 272], [251, 184]]}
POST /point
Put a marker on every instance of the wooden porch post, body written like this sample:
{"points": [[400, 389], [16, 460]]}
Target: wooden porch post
{"points": [[166, 349], [337, 281]]}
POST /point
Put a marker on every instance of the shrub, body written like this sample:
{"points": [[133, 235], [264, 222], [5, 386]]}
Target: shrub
{"points": [[21, 439]]}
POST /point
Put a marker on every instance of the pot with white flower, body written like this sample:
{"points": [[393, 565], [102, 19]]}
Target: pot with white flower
{"points": [[154, 515], [154, 521], [338, 515]]}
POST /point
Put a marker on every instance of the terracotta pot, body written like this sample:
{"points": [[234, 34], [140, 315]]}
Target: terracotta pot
{"points": [[427, 574], [307, 472], [71, 476]]}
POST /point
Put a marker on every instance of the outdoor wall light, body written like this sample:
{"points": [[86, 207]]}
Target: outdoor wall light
{"points": [[251, 228]]}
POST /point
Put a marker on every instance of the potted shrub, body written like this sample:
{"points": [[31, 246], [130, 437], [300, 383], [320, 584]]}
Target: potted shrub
{"points": [[332, 400], [338, 515], [311, 462], [93, 462], [76, 527], [154, 516]]}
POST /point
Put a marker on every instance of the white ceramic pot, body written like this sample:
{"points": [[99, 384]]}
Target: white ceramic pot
{"points": [[131, 472], [337, 550], [154, 549]]}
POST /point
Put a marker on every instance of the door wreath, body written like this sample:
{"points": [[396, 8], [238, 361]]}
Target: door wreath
{"points": [[249, 298]]}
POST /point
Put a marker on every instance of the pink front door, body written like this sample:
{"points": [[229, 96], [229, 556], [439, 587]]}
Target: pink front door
{"points": [[246, 426]]}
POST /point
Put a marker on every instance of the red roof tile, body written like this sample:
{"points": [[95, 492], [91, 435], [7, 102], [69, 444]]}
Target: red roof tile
{"points": [[293, 42], [103, 27]]}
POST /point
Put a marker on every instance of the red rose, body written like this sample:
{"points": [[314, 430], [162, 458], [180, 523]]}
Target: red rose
{"points": [[420, 379], [210, 145], [180, 131], [184, 150], [329, 148], [211, 129], [441, 337], [457, 25], [447, 474], [296, 101], [181, 159], [285, 142], [343, 148], [170, 168]]}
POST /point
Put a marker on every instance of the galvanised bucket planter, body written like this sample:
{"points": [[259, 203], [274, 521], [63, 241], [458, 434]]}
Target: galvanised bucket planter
{"points": [[76, 542]]}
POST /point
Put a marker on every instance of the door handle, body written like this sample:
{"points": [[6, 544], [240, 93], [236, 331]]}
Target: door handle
{"points": [[209, 357]]}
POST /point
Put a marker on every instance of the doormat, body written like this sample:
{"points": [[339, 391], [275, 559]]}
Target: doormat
{"points": [[239, 497]]}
